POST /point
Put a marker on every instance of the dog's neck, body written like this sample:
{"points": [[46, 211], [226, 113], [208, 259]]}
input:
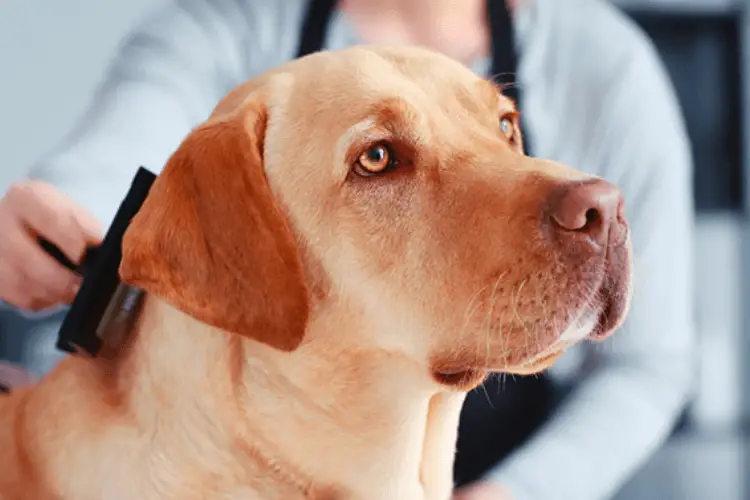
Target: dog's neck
{"points": [[367, 425]]}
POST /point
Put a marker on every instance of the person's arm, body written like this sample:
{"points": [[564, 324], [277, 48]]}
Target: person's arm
{"points": [[623, 411], [166, 78]]}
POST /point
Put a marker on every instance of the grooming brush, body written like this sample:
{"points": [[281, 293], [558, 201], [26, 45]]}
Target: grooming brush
{"points": [[103, 300]]}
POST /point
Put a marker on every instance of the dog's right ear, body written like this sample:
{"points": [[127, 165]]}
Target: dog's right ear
{"points": [[211, 240]]}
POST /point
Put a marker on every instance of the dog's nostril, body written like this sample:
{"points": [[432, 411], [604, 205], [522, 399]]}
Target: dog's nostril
{"points": [[592, 216]]}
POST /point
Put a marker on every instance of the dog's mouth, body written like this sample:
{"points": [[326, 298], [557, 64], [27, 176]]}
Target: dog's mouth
{"points": [[610, 305], [598, 320]]}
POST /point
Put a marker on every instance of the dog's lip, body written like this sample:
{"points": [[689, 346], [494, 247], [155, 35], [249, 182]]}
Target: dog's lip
{"points": [[600, 316], [460, 379], [539, 363], [596, 323], [546, 357], [608, 316], [611, 300], [600, 330]]}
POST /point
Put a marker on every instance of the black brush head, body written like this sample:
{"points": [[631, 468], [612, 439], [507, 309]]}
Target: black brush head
{"points": [[100, 271]]}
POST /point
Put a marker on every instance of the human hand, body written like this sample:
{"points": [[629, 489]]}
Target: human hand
{"points": [[482, 490], [29, 278]]}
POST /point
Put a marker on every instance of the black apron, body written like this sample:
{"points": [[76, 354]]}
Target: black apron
{"points": [[502, 414]]}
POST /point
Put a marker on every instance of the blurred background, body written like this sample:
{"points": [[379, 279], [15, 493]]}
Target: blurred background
{"points": [[52, 55]]}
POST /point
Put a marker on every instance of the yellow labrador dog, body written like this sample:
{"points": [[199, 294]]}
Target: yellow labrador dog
{"points": [[349, 244]]}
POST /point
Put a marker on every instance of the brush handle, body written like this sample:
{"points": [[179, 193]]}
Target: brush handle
{"points": [[57, 254]]}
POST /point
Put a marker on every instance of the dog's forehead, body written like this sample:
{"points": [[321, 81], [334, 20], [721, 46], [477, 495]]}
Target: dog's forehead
{"points": [[362, 75], [355, 79], [408, 69]]}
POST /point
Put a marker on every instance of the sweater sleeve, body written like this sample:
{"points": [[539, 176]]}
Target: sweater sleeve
{"points": [[626, 406], [166, 77]]}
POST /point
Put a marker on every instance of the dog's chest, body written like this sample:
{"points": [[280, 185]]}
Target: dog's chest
{"points": [[240, 493]]}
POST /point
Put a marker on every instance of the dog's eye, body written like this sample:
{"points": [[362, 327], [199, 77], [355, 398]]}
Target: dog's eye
{"points": [[376, 160], [507, 127]]}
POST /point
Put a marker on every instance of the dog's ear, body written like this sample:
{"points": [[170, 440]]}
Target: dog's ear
{"points": [[211, 241]]}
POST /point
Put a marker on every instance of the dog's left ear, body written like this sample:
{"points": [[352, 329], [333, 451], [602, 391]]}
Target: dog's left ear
{"points": [[211, 240]]}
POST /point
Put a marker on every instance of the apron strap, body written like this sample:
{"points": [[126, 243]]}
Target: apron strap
{"points": [[315, 26], [504, 57]]}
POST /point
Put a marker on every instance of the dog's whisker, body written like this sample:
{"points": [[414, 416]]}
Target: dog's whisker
{"points": [[471, 307], [487, 396], [503, 342], [514, 304], [487, 323], [490, 311], [546, 317]]}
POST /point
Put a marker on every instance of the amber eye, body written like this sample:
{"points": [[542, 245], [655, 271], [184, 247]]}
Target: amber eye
{"points": [[506, 127], [377, 159]]}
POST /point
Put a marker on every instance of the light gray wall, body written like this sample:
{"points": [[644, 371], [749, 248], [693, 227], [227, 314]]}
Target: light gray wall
{"points": [[52, 54]]}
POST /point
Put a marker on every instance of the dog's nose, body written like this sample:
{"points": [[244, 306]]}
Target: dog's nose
{"points": [[590, 209]]}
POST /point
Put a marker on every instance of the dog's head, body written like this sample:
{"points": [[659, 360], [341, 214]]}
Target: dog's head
{"points": [[383, 191]]}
